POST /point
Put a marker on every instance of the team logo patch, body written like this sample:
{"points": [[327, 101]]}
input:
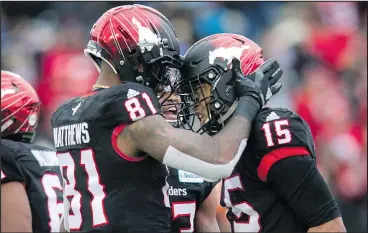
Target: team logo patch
{"points": [[188, 177]]}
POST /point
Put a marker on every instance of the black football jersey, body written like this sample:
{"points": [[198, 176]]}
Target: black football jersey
{"points": [[187, 192], [107, 190], [37, 168], [253, 206]]}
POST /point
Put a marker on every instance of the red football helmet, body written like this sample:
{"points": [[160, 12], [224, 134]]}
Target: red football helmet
{"points": [[209, 61], [20, 108], [138, 42]]}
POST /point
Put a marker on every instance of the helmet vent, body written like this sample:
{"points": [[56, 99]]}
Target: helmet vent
{"points": [[239, 40], [154, 29], [125, 34], [15, 87], [133, 51]]}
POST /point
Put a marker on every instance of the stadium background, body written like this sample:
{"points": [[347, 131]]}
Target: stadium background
{"points": [[322, 47]]}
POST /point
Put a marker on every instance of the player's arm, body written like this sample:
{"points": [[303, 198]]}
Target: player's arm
{"points": [[335, 225], [222, 220], [16, 213], [306, 192], [15, 208], [291, 172], [205, 218], [210, 157]]}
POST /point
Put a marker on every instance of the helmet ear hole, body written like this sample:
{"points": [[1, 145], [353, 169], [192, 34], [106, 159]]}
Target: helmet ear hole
{"points": [[97, 60], [15, 87], [124, 33]]}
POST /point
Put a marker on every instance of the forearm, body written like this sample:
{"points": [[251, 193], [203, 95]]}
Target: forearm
{"points": [[205, 218], [230, 137], [237, 129], [210, 157], [208, 171], [155, 136], [219, 149], [16, 213], [222, 221], [206, 226]]}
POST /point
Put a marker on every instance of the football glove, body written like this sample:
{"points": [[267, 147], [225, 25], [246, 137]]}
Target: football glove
{"points": [[261, 84]]}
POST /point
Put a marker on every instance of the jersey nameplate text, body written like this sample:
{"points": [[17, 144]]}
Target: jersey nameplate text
{"points": [[71, 135]]}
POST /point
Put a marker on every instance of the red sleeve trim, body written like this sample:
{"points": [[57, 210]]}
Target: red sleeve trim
{"points": [[276, 155], [114, 142]]}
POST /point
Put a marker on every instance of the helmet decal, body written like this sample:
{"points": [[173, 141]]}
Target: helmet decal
{"points": [[226, 53], [147, 39], [207, 86]]}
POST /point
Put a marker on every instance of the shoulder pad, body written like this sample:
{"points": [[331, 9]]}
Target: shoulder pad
{"points": [[275, 128], [61, 108], [276, 134], [10, 169]]}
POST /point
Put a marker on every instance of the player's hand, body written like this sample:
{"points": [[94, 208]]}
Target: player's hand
{"points": [[261, 84]]}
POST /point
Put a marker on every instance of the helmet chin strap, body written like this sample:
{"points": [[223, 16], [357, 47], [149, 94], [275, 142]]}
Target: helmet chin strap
{"points": [[224, 117]]}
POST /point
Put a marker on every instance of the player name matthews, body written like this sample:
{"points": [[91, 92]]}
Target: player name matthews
{"points": [[71, 135]]}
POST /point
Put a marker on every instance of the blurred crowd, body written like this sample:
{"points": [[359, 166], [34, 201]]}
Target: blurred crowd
{"points": [[322, 47]]}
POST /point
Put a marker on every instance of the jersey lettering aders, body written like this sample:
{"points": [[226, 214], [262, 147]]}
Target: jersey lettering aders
{"points": [[187, 192]]}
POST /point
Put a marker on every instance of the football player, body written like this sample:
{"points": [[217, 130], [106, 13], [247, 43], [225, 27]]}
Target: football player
{"points": [[31, 188], [193, 200], [113, 144], [275, 186]]}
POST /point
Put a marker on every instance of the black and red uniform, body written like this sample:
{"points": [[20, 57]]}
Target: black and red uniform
{"points": [[38, 169], [276, 187], [187, 192], [107, 190]]}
